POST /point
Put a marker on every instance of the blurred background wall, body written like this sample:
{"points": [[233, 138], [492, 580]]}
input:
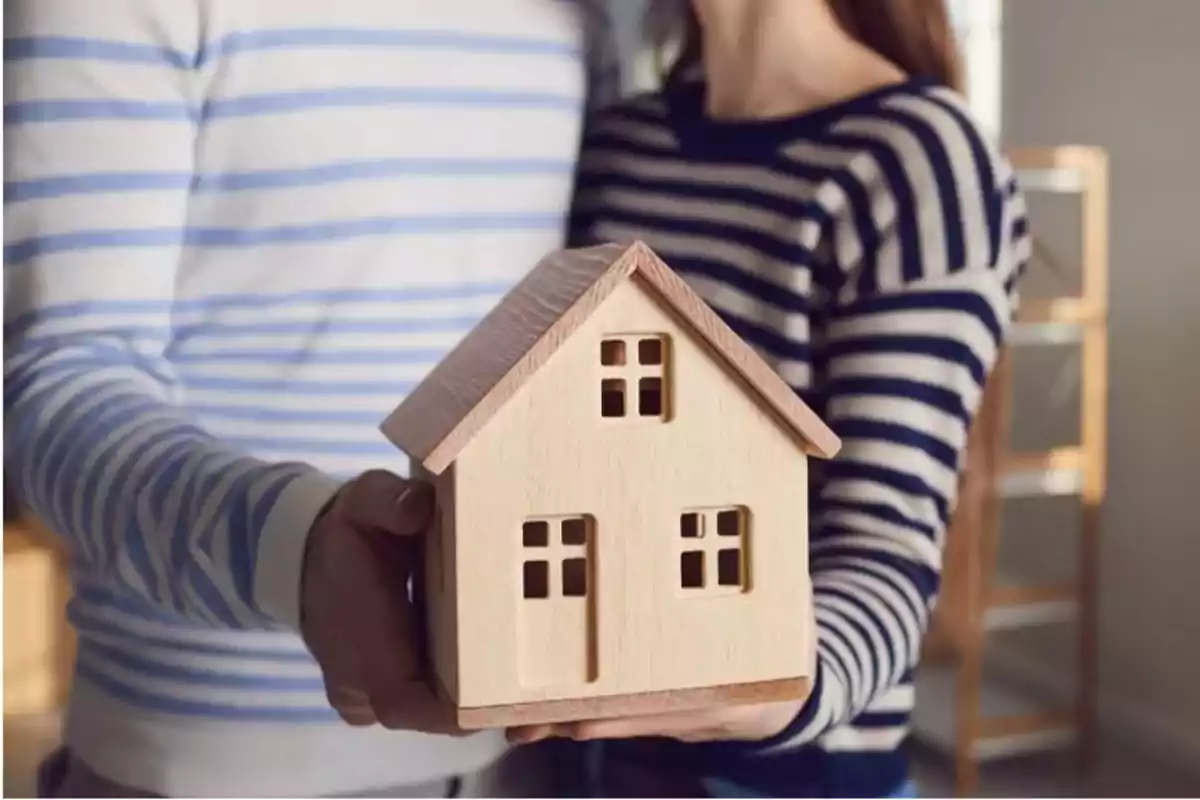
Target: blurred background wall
{"points": [[1124, 76]]}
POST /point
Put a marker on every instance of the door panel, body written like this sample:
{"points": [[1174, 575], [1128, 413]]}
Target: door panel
{"points": [[558, 647], [556, 610]]}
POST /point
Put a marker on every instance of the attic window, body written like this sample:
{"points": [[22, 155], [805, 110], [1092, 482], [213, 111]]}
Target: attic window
{"points": [[612, 353], [650, 397], [650, 352], [634, 380], [612, 397]]}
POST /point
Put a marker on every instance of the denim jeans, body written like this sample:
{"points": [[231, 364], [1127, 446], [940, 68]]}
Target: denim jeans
{"points": [[608, 777], [719, 788]]}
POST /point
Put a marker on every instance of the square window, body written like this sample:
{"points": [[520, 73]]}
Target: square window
{"points": [[714, 545], [574, 531], [691, 569], [729, 523], [650, 352], [634, 380], [574, 577], [729, 568], [537, 579], [612, 398], [612, 353], [535, 533], [650, 397]]}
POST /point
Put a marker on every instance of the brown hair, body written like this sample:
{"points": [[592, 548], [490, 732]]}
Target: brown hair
{"points": [[915, 35]]}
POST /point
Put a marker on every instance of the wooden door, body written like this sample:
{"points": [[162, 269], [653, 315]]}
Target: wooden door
{"points": [[556, 605]]}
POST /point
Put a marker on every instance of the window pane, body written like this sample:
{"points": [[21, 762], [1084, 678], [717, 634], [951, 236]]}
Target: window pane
{"points": [[537, 579], [612, 353], [650, 399], [689, 526], [729, 568], [612, 398], [650, 352], [691, 569], [535, 533], [574, 577], [729, 523], [574, 531]]}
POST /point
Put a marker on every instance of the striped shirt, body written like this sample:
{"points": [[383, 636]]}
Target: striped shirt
{"points": [[236, 234], [869, 252]]}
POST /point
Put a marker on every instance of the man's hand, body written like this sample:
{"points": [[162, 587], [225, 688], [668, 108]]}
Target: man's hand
{"points": [[731, 723], [357, 617]]}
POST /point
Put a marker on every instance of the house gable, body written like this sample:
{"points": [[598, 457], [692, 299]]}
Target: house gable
{"points": [[561, 406], [474, 381]]}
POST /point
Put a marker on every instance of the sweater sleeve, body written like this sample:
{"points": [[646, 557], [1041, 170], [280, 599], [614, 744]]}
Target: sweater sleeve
{"points": [[102, 101], [909, 339]]}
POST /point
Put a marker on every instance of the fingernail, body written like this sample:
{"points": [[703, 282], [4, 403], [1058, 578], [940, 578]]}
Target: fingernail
{"points": [[529, 735], [415, 497]]}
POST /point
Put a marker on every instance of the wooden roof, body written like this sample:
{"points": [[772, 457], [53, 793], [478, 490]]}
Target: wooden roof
{"points": [[462, 393]]}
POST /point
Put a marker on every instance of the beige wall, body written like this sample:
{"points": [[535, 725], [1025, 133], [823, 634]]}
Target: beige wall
{"points": [[1125, 75], [634, 478]]}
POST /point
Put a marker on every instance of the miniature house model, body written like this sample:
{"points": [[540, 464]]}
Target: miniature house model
{"points": [[622, 502]]}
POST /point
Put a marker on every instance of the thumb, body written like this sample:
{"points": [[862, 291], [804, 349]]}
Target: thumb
{"points": [[384, 502]]}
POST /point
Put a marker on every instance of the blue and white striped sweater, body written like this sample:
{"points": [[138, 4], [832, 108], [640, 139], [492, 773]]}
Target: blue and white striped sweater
{"points": [[236, 235], [869, 251]]}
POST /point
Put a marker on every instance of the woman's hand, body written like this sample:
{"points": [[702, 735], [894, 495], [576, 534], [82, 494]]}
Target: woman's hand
{"points": [[729, 723]]}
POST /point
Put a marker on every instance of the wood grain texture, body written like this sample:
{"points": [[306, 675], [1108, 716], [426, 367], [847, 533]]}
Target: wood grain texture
{"points": [[39, 645], [528, 326], [1093, 438], [491, 363], [438, 590], [667, 702], [549, 453], [817, 438]]}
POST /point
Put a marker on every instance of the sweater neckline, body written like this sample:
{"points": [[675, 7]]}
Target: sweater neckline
{"points": [[738, 138]]}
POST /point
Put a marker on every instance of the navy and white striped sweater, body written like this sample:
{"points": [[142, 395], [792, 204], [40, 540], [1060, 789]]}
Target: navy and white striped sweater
{"points": [[869, 251]]}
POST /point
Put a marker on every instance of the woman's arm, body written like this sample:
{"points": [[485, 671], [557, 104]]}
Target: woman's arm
{"points": [[100, 125], [906, 370], [913, 335]]}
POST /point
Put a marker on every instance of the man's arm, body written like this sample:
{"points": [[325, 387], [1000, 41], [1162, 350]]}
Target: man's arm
{"points": [[100, 119]]}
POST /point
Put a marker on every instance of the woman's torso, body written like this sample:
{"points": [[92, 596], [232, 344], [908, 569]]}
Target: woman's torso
{"points": [[777, 225]]}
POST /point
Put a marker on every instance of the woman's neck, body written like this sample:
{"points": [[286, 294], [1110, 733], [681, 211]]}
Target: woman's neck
{"points": [[774, 58]]}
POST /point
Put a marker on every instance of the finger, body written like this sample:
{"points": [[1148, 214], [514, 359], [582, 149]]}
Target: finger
{"points": [[412, 705], [381, 501], [352, 705], [392, 648], [528, 734], [683, 725]]}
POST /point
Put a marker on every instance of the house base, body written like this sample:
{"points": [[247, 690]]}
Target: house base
{"points": [[640, 704]]}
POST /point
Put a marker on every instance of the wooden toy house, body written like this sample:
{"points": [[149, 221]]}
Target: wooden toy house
{"points": [[622, 502]]}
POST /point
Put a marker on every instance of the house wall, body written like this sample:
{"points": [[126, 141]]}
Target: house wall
{"points": [[548, 452], [440, 586]]}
